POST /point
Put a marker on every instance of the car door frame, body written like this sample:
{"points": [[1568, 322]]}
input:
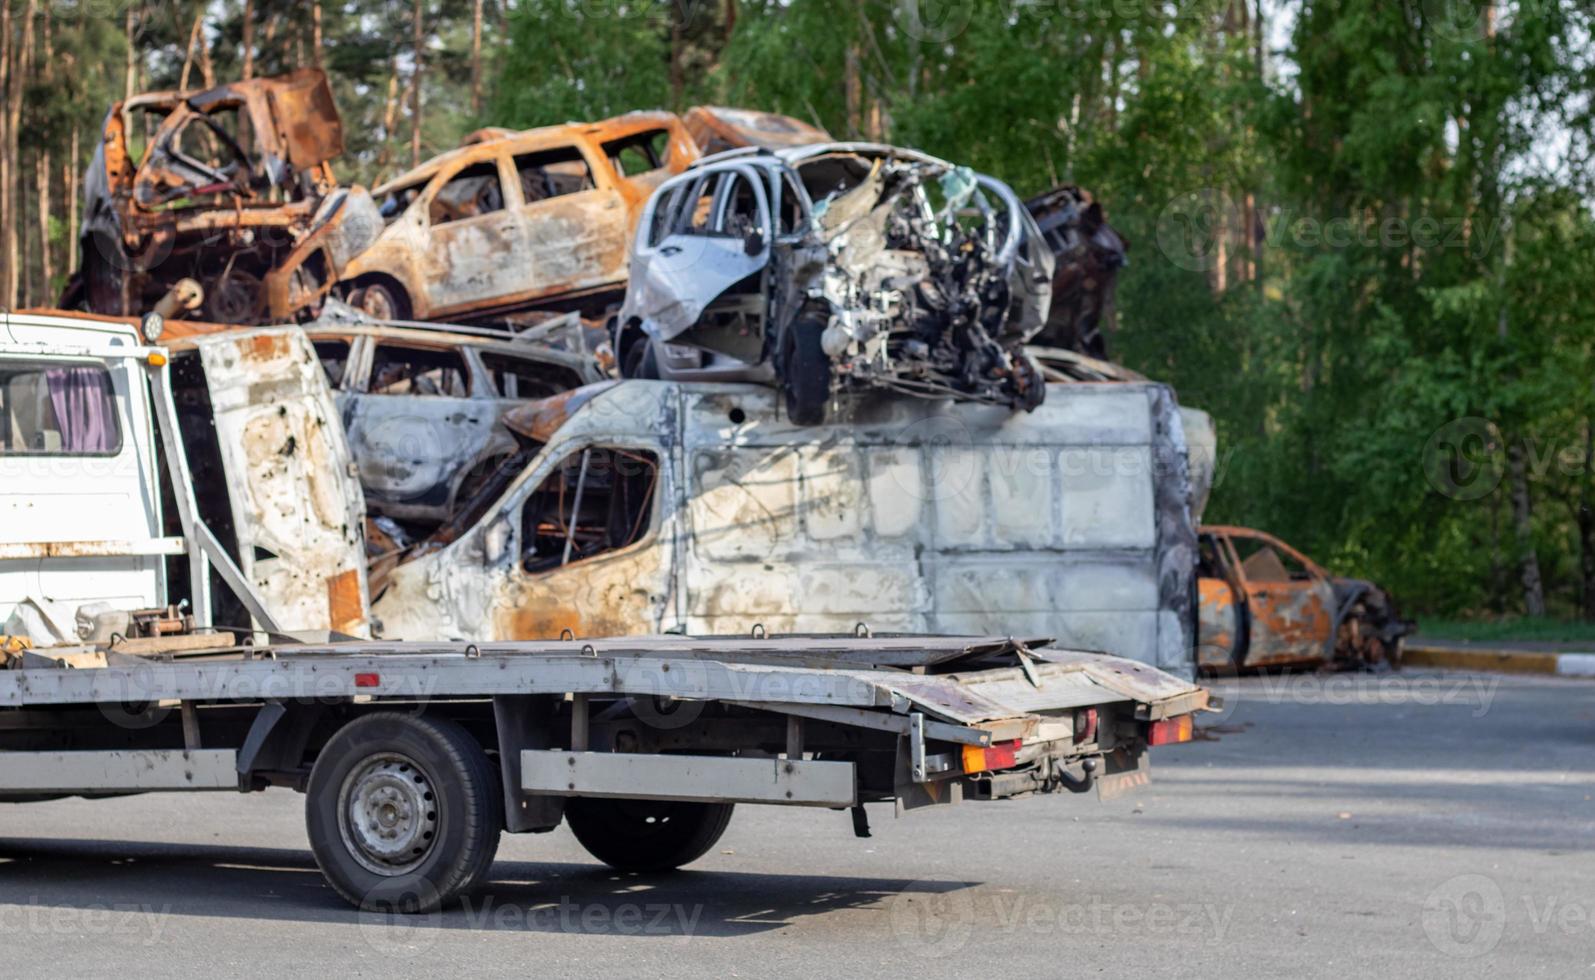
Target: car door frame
{"points": [[605, 193], [672, 268], [434, 285], [1273, 609]]}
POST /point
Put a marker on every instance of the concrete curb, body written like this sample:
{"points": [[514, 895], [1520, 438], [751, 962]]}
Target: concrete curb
{"points": [[1504, 661]]}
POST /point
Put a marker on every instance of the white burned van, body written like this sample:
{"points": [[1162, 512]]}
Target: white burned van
{"points": [[644, 506]]}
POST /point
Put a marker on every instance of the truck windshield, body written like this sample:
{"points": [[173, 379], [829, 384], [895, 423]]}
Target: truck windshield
{"points": [[57, 409]]}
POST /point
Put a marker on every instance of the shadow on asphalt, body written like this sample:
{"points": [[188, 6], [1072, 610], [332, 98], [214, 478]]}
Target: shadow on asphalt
{"points": [[282, 884]]}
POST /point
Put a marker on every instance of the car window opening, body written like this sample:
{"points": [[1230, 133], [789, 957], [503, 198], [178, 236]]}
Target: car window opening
{"points": [[598, 500]]}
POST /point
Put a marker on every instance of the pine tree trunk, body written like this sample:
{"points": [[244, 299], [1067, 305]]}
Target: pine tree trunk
{"points": [[1523, 526], [188, 52], [130, 75], [69, 173], [46, 270], [5, 145], [476, 59], [390, 115], [1586, 525], [315, 33], [247, 43], [21, 58], [415, 85]]}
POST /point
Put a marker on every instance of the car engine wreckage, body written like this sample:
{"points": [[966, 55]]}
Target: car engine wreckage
{"points": [[862, 266]]}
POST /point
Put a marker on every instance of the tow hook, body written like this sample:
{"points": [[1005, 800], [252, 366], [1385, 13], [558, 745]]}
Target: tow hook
{"points": [[1079, 784]]}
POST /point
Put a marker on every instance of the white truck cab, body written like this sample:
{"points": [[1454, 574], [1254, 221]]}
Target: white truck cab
{"points": [[99, 519]]}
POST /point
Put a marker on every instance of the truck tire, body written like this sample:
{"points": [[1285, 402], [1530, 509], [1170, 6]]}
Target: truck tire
{"points": [[646, 835], [403, 812], [805, 370]]}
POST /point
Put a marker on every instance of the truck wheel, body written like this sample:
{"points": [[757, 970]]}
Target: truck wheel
{"points": [[805, 370], [646, 835], [403, 812]]}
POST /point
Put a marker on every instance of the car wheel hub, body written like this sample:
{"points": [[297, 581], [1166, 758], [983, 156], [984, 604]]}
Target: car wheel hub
{"points": [[388, 814]]}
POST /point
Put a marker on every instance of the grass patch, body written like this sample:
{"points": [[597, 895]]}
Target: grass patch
{"points": [[1541, 630]]}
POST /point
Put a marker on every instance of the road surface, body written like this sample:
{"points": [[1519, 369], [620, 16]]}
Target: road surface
{"points": [[1426, 825]]}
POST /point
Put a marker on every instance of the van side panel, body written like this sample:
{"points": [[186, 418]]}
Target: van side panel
{"points": [[1070, 522]]}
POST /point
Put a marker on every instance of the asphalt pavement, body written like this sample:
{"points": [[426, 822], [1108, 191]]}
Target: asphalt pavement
{"points": [[1418, 825]]}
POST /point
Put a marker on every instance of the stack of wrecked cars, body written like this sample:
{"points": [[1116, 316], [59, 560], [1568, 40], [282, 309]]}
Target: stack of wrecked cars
{"points": [[187, 619], [228, 192]]}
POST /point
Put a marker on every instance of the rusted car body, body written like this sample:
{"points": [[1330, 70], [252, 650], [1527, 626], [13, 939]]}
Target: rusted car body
{"points": [[231, 187], [1089, 254], [719, 128], [838, 267], [423, 409], [645, 507], [515, 220], [1262, 604]]}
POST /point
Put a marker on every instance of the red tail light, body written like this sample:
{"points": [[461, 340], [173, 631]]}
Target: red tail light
{"points": [[1003, 755], [1171, 730], [367, 680]]}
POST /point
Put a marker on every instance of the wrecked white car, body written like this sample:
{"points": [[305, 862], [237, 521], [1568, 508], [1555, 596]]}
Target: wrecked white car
{"points": [[838, 267]]}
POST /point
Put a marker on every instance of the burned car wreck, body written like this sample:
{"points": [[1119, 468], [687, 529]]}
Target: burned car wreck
{"points": [[1264, 604], [515, 221], [838, 267], [230, 187]]}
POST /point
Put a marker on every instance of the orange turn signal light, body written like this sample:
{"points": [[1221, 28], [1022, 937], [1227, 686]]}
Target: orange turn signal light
{"points": [[155, 359], [1172, 730], [1003, 755]]}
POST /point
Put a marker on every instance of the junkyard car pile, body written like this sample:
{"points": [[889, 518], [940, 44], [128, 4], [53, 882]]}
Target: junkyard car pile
{"points": [[728, 252], [848, 264]]}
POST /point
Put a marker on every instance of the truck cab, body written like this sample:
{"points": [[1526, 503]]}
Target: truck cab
{"points": [[105, 437]]}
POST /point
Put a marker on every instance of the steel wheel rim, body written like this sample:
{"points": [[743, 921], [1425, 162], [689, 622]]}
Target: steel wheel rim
{"points": [[388, 814]]}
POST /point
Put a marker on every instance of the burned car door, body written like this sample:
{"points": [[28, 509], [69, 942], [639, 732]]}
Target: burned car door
{"points": [[585, 556], [1290, 604], [574, 227], [1220, 613], [414, 425], [702, 236], [295, 508], [473, 236]]}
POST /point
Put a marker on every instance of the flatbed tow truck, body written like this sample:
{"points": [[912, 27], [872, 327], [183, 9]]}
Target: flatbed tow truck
{"points": [[414, 757]]}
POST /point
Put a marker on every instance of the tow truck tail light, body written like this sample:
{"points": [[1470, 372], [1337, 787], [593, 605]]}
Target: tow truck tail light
{"points": [[1171, 730], [1002, 755], [1085, 725]]}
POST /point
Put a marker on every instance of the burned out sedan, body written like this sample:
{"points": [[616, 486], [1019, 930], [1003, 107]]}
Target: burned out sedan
{"points": [[1264, 604], [838, 267], [232, 188], [513, 221], [423, 408]]}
